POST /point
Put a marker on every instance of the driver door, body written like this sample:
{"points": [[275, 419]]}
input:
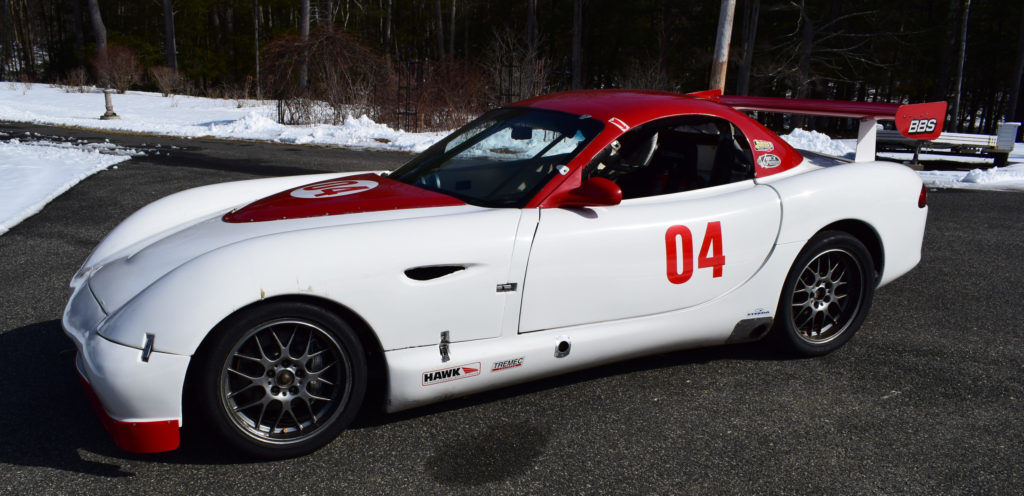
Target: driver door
{"points": [[663, 249]]}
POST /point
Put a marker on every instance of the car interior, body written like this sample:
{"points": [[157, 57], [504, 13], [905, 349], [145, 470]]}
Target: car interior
{"points": [[675, 155]]}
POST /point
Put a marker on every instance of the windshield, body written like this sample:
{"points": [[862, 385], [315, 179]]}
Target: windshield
{"points": [[503, 158]]}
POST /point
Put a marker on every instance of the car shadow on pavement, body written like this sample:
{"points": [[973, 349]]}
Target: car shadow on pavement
{"points": [[46, 419]]}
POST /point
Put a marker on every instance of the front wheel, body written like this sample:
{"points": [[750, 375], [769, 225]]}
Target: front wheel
{"points": [[826, 295], [283, 379]]}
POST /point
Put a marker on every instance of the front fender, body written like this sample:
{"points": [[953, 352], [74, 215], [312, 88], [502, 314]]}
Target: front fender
{"points": [[361, 267]]}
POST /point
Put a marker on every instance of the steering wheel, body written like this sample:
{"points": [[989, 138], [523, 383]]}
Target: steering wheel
{"points": [[430, 181]]}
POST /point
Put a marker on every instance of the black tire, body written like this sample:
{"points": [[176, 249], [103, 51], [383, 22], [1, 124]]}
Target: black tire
{"points": [[826, 296], [273, 404]]}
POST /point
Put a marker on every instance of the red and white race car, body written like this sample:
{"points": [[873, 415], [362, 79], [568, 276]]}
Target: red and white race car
{"points": [[554, 234]]}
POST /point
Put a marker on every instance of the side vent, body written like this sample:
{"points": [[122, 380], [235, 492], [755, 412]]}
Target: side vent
{"points": [[432, 272]]}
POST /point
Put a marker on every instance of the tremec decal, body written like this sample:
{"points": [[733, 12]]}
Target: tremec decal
{"points": [[679, 252], [769, 161], [450, 374], [334, 187], [507, 364]]}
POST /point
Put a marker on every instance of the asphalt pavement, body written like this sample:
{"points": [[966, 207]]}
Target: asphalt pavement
{"points": [[928, 398]]}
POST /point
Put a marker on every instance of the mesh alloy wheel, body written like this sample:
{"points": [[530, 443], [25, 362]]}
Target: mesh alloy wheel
{"points": [[826, 296], [282, 379]]}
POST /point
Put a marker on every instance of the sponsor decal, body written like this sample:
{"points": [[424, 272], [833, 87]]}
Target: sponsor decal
{"points": [[507, 364], [615, 121], [763, 146], [334, 187], [922, 126], [760, 312], [450, 374], [769, 161]]}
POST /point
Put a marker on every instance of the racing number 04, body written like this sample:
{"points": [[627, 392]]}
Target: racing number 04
{"points": [[679, 252]]}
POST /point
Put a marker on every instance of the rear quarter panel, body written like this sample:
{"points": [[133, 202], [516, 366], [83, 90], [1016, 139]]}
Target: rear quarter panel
{"points": [[883, 195]]}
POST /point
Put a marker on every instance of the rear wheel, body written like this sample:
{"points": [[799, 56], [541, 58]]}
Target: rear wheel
{"points": [[826, 295], [283, 379]]}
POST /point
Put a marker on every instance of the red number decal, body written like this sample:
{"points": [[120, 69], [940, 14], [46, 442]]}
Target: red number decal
{"points": [[713, 236], [679, 252], [679, 249]]}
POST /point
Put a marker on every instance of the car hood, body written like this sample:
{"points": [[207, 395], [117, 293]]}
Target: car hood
{"points": [[350, 200], [345, 195]]}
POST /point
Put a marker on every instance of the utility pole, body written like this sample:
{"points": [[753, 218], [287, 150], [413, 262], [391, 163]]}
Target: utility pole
{"points": [[722, 44]]}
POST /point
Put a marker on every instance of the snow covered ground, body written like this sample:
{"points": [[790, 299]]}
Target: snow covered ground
{"points": [[1009, 178], [32, 173]]}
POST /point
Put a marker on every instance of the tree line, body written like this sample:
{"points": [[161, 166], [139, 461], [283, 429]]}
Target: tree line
{"points": [[434, 63]]}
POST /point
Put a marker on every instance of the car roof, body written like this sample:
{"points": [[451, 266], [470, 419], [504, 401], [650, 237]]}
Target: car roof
{"points": [[633, 107], [626, 109]]}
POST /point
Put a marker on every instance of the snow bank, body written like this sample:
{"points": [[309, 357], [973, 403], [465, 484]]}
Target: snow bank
{"points": [[1010, 178], [814, 141], [191, 117]]}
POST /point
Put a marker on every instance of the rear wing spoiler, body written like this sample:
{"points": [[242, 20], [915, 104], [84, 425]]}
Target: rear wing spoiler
{"points": [[920, 121]]}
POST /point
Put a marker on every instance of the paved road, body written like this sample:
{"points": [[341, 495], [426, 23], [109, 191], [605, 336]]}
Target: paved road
{"points": [[927, 399]]}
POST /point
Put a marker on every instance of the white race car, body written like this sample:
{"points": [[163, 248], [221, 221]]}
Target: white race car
{"points": [[554, 234]]}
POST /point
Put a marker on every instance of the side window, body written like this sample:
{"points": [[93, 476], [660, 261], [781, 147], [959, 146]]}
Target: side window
{"points": [[674, 155]]}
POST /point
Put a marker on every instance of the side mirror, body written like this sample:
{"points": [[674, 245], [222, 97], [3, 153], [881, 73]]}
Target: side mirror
{"points": [[594, 192]]}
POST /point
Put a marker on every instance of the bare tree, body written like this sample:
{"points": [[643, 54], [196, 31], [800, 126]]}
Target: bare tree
{"points": [[577, 40], [440, 30], [958, 85], [451, 29], [530, 34], [1018, 72], [76, 26], [99, 30], [4, 52], [751, 11], [256, 42], [516, 71], [820, 49], [304, 35], [387, 31], [170, 45]]}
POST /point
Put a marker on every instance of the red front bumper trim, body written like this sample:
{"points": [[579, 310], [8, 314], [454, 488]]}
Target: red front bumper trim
{"points": [[136, 437]]}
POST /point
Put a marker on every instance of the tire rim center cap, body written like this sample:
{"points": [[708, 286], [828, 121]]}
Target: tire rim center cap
{"points": [[285, 378]]}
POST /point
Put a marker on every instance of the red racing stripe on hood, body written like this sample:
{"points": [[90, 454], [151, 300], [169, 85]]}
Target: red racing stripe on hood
{"points": [[344, 195]]}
